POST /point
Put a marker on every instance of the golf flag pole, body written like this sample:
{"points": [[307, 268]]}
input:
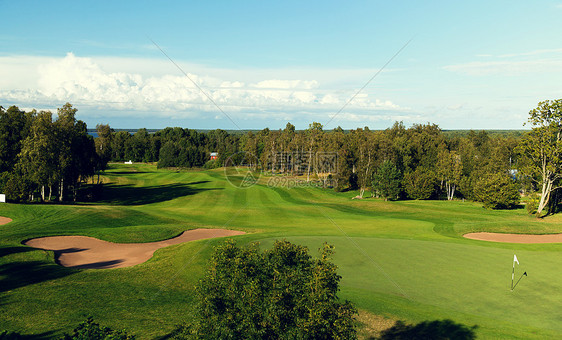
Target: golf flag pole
{"points": [[516, 283], [513, 270]]}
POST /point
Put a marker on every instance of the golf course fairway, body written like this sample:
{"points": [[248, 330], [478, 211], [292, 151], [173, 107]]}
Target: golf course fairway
{"points": [[405, 260]]}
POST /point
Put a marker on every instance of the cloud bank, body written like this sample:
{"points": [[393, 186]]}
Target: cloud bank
{"points": [[83, 81]]}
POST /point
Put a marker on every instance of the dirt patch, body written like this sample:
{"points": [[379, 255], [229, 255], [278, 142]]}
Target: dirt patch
{"points": [[372, 325], [515, 238], [90, 253], [4, 220]]}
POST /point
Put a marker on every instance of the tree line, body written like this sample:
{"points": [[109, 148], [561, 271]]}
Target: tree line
{"points": [[42, 156], [48, 157], [419, 162]]}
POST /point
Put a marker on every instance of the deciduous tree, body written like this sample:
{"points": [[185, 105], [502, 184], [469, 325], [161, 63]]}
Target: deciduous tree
{"points": [[541, 149], [387, 180], [497, 191]]}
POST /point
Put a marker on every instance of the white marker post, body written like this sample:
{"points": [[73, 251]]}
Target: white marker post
{"points": [[513, 271], [2, 198]]}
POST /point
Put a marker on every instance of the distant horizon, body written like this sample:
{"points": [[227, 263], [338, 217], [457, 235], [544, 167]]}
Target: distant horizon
{"points": [[245, 130]]}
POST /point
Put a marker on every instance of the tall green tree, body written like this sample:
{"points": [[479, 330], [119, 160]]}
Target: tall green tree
{"points": [[421, 183], [40, 152], [77, 153], [14, 128], [541, 149], [103, 145], [387, 181], [449, 170], [366, 148], [118, 143], [497, 191], [314, 135]]}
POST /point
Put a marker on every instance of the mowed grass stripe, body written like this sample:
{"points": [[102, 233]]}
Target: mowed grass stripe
{"points": [[418, 244]]}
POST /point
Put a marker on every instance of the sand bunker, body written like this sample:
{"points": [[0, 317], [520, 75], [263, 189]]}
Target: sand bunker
{"points": [[515, 238], [4, 220], [90, 253]]}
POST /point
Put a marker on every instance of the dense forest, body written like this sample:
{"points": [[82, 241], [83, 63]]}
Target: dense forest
{"points": [[44, 159]]}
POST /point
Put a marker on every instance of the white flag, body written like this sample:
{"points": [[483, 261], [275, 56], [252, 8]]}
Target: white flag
{"points": [[515, 259]]}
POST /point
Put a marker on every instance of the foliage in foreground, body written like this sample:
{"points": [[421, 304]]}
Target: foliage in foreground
{"points": [[90, 330], [8, 335], [282, 293]]}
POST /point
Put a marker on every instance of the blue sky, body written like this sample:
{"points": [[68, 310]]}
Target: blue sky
{"points": [[469, 65]]}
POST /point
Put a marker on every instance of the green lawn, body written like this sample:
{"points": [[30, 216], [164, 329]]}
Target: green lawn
{"points": [[404, 260]]}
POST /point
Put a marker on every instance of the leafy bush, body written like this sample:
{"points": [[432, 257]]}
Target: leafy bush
{"points": [[211, 164], [90, 330], [420, 184], [387, 181], [532, 204], [497, 191], [282, 293], [7, 335]]}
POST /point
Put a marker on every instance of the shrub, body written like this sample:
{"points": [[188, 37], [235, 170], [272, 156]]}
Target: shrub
{"points": [[420, 184], [497, 191], [532, 204], [90, 330], [282, 293]]}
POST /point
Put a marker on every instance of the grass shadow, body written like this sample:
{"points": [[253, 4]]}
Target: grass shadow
{"points": [[20, 274], [7, 335], [5, 251], [132, 172], [437, 329], [125, 194], [99, 265]]}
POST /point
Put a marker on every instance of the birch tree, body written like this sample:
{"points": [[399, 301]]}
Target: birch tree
{"points": [[449, 169], [541, 149]]}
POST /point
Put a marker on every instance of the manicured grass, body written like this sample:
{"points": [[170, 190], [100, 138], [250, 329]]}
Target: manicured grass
{"points": [[403, 260]]}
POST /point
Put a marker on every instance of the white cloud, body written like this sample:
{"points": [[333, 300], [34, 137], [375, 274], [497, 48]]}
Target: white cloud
{"points": [[511, 64], [507, 68], [552, 51], [153, 86], [286, 84]]}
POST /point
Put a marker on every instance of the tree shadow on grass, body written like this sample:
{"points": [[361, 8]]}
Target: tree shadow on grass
{"points": [[20, 274], [124, 194], [5, 251], [99, 265], [438, 329], [132, 172], [7, 335]]}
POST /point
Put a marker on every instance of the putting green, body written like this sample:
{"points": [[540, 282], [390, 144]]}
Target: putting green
{"points": [[404, 260]]}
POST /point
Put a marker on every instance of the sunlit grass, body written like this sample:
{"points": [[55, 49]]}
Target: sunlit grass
{"points": [[401, 260]]}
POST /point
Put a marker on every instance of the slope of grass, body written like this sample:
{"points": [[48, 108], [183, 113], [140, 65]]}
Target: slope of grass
{"points": [[404, 260]]}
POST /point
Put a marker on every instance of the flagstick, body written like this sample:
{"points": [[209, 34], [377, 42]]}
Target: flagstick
{"points": [[512, 274], [524, 274]]}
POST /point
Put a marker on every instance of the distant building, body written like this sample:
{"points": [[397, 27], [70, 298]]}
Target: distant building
{"points": [[214, 155]]}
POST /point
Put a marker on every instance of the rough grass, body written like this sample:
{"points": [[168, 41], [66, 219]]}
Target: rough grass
{"points": [[399, 260]]}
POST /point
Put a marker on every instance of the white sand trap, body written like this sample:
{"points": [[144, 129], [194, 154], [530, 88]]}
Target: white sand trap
{"points": [[4, 220], [90, 253], [515, 238]]}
